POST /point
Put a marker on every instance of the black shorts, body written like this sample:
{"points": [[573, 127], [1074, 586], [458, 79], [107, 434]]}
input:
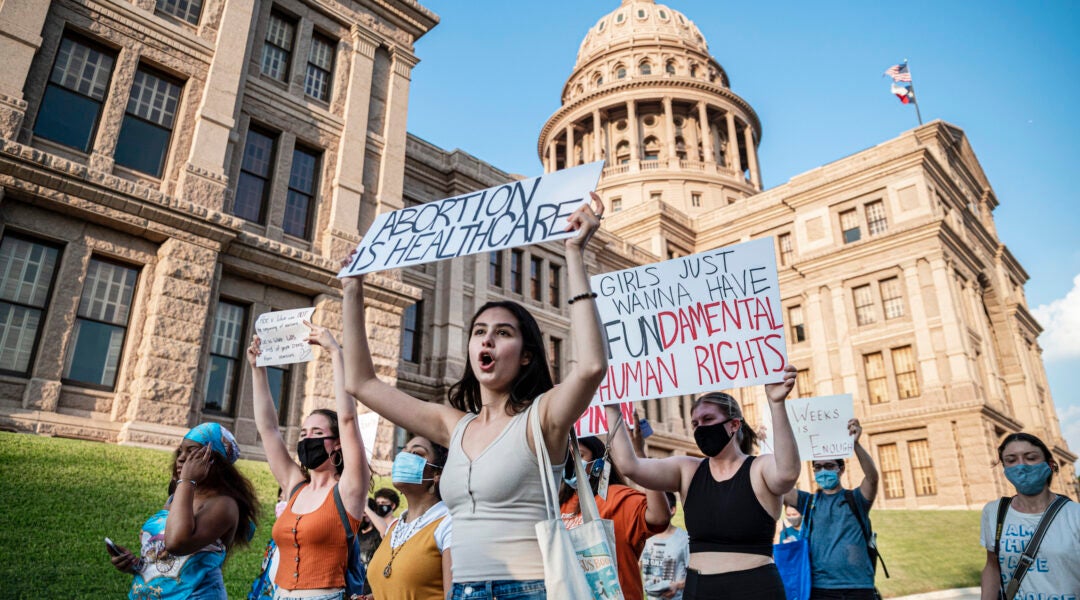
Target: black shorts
{"points": [[761, 583]]}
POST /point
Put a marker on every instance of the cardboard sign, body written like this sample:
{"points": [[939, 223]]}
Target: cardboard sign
{"points": [[704, 322], [513, 214], [595, 421], [369, 428], [820, 425], [282, 337]]}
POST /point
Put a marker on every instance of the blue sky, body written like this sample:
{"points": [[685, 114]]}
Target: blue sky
{"points": [[491, 73]]}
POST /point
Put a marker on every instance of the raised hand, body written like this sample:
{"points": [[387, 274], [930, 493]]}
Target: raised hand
{"points": [[197, 464], [321, 336], [854, 429], [585, 220], [253, 351], [778, 392]]}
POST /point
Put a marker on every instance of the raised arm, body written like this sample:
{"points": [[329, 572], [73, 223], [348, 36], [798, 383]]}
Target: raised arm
{"points": [[356, 474], [780, 470], [657, 511], [869, 485], [565, 403], [282, 466], [186, 530], [433, 421], [660, 474]]}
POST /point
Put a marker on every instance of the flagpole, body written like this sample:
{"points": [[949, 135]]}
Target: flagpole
{"points": [[918, 113]]}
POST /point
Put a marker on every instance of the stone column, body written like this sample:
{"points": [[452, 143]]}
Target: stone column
{"points": [[571, 155], [450, 316], [103, 147], [165, 389], [553, 158], [952, 324], [21, 23], [669, 134], [848, 370], [706, 133], [598, 137], [751, 156], [635, 140], [734, 162], [925, 345], [348, 187], [392, 169], [821, 367]]}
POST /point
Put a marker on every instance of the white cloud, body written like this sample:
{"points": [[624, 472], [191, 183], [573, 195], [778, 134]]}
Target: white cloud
{"points": [[1070, 426], [1061, 324]]}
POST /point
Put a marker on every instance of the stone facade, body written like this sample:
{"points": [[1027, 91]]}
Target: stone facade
{"points": [[895, 285]]}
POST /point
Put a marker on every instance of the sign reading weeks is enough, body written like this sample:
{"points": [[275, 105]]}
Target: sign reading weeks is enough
{"points": [[820, 425], [518, 213], [698, 323]]}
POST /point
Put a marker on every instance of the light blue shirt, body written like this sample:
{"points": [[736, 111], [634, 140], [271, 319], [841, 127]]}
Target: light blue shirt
{"points": [[838, 557]]}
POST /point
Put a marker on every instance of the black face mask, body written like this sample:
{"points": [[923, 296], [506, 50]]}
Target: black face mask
{"points": [[712, 439], [383, 509], [312, 452]]}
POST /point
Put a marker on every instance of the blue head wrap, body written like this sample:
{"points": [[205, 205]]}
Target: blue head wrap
{"points": [[219, 438]]}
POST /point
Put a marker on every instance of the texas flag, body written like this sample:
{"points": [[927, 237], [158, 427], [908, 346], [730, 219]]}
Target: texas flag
{"points": [[904, 93]]}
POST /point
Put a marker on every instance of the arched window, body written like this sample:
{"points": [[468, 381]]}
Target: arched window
{"points": [[620, 72], [680, 147], [579, 89], [622, 152], [598, 80], [693, 71], [652, 148], [645, 68], [670, 67]]}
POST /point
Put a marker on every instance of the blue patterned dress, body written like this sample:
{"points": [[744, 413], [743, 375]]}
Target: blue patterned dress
{"points": [[163, 576]]}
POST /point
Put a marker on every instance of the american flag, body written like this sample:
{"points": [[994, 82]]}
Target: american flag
{"points": [[899, 73]]}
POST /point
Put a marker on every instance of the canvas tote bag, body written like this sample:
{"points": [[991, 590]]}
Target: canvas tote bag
{"points": [[578, 563]]}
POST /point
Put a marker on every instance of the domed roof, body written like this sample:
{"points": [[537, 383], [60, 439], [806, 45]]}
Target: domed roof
{"points": [[643, 20]]}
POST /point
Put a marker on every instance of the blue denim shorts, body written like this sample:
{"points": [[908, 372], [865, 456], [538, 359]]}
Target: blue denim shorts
{"points": [[281, 594], [499, 590]]}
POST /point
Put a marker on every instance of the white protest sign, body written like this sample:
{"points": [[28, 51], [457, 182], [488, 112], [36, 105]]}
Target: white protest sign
{"points": [[820, 425], [369, 428], [595, 422], [282, 337], [514, 214], [703, 322]]}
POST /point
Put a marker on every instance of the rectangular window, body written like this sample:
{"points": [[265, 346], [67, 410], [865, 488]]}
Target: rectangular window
{"points": [[864, 305], [277, 49], [495, 268], [27, 273], [256, 168], [319, 68], [411, 332], [148, 124], [186, 10], [907, 381], [849, 225], [805, 385], [695, 199], [891, 476], [226, 357], [616, 204], [875, 217], [922, 468], [516, 258], [798, 326], [892, 298], [555, 357], [787, 250], [876, 381], [279, 378], [554, 285], [101, 323], [536, 267], [655, 195], [300, 201], [71, 105]]}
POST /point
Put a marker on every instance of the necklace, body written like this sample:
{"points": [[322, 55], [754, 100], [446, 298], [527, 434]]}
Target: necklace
{"points": [[398, 537]]}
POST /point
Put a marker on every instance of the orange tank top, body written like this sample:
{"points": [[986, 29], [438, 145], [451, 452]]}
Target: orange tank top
{"points": [[311, 547]]}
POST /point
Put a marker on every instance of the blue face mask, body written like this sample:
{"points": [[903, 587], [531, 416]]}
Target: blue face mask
{"points": [[827, 479], [1028, 479], [408, 468], [593, 471]]}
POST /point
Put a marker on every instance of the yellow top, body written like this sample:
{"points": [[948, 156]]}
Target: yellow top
{"points": [[415, 567]]}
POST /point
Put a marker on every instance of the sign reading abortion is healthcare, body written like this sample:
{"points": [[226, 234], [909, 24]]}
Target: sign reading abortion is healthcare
{"points": [[708, 321], [514, 214]]}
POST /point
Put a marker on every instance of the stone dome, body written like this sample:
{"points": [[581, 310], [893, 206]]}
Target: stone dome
{"points": [[640, 21]]}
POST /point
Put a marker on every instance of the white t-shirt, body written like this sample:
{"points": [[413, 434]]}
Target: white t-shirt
{"points": [[442, 531], [1055, 574], [663, 562]]}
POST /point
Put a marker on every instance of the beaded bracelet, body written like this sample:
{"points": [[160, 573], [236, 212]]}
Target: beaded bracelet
{"points": [[192, 481], [584, 296]]}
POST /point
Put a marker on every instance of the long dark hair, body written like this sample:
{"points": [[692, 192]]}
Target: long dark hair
{"points": [[597, 449], [1020, 436], [532, 379], [745, 436], [225, 480], [331, 415]]}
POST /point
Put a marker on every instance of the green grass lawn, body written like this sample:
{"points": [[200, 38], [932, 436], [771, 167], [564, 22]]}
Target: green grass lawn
{"points": [[60, 498]]}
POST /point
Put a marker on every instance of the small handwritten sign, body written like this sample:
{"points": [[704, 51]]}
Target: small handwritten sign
{"points": [[518, 213], [283, 337], [369, 428], [820, 425], [595, 421]]}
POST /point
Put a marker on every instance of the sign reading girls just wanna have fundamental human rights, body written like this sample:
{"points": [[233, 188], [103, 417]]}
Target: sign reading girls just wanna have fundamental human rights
{"points": [[704, 322], [518, 213]]}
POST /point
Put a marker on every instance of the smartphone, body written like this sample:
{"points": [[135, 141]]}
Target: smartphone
{"points": [[112, 548], [645, 427]]}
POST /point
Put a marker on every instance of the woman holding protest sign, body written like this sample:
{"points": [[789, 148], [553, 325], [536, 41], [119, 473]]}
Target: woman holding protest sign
{"points": [[491, 480], [309, 534], [732, 499]]}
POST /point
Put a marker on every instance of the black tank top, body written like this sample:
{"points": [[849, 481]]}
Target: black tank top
{"points": [[725, 516]]}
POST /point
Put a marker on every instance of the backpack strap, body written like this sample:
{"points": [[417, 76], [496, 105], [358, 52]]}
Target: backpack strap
{"points": [[349, 533], [868, 535], [1003, 509], [296, 488], [1028, 556]]}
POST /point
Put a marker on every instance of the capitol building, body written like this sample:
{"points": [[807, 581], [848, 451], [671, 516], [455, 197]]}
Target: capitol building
{"points": [[171, 169]]}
